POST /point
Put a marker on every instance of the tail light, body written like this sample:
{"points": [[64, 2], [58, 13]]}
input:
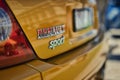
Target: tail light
{"points": [[14, 47]]}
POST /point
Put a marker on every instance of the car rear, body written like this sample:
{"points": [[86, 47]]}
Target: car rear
{"points": [[50, 40]]}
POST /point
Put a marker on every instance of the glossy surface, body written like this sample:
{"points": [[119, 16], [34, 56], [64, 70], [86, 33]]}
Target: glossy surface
{"points": [[14, 48], [82, 53], [48, 14], [22, 72], [5, 25], [80, 67]]}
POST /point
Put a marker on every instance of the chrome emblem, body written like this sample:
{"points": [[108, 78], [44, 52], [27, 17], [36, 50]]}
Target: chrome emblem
{"points": [[51, 31]]}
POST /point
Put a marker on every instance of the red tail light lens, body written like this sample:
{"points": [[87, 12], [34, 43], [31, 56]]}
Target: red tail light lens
{"points": [[14, 47]]}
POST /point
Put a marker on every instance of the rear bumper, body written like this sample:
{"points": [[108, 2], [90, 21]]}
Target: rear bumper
{"points": [[72, 65], [81, 67], [21, 72]]}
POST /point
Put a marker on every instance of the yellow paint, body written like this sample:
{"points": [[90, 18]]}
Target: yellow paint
{"points": [[21, 72], [50, 13], [71, 65], [81, 66], [33, 77]]}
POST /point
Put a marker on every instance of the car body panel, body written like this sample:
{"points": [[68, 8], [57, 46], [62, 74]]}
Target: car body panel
{"points": [[47, 14], [81, 67], [21, 72], [83, 51], [14, 47]]}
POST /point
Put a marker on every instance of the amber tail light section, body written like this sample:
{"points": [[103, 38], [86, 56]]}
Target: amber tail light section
{"points": [[14, 47]]}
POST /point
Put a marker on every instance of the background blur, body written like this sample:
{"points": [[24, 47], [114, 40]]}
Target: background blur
{"points": [[109, 13]]}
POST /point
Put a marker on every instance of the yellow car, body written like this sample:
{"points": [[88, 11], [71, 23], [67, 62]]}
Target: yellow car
{"points": [[50, 40]]}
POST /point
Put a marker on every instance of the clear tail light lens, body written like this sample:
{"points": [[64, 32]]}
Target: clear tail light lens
{"points": [[14, 47]]}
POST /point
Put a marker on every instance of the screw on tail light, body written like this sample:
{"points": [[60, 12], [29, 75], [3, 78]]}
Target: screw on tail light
{"points": [[14, 47]]}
